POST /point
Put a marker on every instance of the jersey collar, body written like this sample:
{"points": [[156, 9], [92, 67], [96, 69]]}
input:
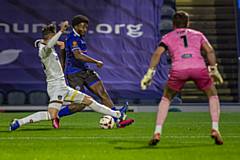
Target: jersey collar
{"points": [[76, 33]]}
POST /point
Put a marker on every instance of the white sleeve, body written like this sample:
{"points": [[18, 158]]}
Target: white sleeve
{"points": [[54, 40], [42, 51]]}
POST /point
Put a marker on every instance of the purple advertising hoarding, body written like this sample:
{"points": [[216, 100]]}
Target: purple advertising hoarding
{"points": [[123, 34]]}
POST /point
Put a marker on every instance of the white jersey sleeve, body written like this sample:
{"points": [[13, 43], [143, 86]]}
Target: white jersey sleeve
{"points": [[54, 40], [45, 50]]}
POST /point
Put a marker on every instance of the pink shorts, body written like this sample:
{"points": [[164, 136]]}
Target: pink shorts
{"points": [[200, 76]]}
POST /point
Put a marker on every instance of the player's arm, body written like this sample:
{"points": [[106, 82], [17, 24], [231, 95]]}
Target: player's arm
{"points": [[47, 49], [85, 58], [212, 68], [62, 53], [146, 81], [207, 47], [156, 57], [55, 38]]}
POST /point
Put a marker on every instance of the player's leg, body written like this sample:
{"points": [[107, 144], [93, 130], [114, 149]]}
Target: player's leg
{"points": [[53, 109], [99, 90], [95, 85], [94, 105], [214, 107], [57, 93], [70, 109], [81, 98], [118, 115], [175, 83], [36, 117], [162, 113], [67, 110], [163, 108], [204, 82], [93, 82]]}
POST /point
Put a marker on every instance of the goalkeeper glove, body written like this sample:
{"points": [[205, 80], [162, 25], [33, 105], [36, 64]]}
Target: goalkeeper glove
{"points": [[147, 79], [214, 73]]}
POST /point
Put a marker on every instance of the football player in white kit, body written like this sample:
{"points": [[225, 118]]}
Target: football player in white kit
{"points": [[57, 89]]}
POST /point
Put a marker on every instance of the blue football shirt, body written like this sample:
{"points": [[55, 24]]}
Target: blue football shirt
{"points": [[75, 42]]}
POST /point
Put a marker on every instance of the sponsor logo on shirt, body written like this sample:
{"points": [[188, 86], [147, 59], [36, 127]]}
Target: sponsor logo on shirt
{"points": [[186, 56], [74, 44]]}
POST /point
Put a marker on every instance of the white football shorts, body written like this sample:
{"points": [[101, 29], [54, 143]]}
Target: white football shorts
{"points": [[63, 93]]}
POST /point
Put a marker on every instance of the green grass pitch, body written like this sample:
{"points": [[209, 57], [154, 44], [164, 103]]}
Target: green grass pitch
{"points": [[186, 136]]}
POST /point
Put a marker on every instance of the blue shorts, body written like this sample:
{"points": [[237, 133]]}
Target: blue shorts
{"points": [[83, 78]]}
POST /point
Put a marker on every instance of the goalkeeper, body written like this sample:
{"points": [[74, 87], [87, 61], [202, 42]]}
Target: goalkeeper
{"points": [[184, 46]]}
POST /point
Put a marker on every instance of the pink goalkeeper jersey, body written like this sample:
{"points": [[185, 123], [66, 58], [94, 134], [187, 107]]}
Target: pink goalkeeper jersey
{"points": [[184, 46]]}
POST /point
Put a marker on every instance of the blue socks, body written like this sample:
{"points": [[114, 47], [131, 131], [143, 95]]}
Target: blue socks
{"points": [[113, 108], [64, 111]]}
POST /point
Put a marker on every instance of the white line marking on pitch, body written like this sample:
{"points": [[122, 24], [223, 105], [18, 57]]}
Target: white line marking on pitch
{"points": [[140, 137]]}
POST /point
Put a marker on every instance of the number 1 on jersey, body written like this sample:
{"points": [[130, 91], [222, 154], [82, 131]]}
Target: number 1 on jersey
{"points": [[185, 41]]}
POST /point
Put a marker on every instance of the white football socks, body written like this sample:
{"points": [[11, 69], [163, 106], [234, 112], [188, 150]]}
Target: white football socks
{"points": [[215, 126], [214, 107], [35, 117], [158, 129], [104, 110], [162, 114]]}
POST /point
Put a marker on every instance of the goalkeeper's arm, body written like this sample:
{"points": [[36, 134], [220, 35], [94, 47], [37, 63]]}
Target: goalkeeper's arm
{"points": [[212, 63], [146, 81], [156, 57], [207, 47]]}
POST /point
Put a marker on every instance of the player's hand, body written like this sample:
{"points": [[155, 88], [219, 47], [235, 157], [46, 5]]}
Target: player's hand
{"points": [[61, 44], [147, 79], [64, 25], [214, 73], [99, 64]]}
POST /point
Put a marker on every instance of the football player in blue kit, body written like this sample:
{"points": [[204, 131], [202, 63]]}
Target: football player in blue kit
{"points": [[77, 71]]}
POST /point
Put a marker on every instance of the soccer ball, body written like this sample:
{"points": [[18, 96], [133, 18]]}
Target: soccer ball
{"points": [[106, 122]]}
